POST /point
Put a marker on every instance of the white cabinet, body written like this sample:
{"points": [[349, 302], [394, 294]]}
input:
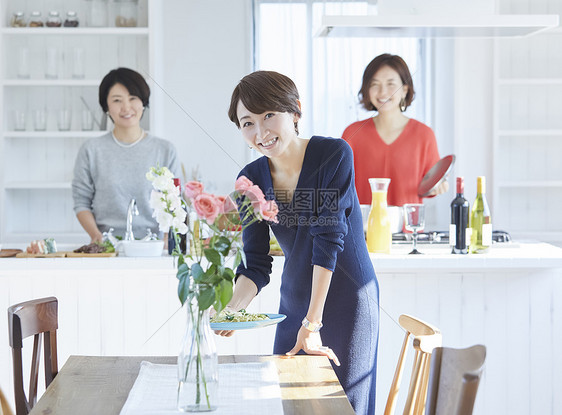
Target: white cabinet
{"points": [[527, 177], [43, 72]]}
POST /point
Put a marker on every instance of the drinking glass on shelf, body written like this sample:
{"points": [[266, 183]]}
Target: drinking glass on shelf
{"points": [[19, 120], [23, 63], [414, 221], [52, 64], [63, 119], [87, 120], [78, 63], [40, 119]]}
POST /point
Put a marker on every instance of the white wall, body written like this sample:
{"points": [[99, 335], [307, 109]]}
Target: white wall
{"points": [[473, 112], [204, 49]]}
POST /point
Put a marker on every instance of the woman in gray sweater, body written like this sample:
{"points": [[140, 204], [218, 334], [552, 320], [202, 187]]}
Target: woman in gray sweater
{"points": [[110, 170]]}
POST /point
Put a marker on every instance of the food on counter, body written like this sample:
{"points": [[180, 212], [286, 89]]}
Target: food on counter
{"points": [[226, 316], [42, 246], [95, 248]]}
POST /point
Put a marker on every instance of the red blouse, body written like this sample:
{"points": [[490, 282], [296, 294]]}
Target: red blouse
{"points": [[405, 161]]}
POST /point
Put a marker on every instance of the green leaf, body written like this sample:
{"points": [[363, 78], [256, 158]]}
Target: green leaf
{"points": [[243, 256], [225, 293], [228, 275], [206, 297], [197, 272], [181, 260], [222, 244], [183, 289], [217, 304], [237, 258], [183, 271], [213, 256], [212, 276]]}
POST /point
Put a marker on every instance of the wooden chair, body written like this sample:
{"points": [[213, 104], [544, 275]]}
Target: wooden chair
{"points": [[38, 318], [4, 407], [453, 380], [426, 338]]}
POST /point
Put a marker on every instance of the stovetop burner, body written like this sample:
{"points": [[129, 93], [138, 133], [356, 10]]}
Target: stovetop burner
{"points": [[442, 237]]}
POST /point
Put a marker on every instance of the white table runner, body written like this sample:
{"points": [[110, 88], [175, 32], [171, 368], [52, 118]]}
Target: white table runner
{"points": [[244, 389]]}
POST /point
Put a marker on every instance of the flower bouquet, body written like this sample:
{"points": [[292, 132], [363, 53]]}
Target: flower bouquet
{"points": [[204, 275]]}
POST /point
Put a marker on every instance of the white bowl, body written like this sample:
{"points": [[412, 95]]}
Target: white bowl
{"points": [[142, 248]]}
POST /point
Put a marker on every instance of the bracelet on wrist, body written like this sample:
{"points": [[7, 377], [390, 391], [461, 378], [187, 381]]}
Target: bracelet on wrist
{"points": [[313, 327]]}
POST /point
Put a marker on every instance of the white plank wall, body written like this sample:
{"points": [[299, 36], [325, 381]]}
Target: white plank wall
{"points": [[515, 313]]}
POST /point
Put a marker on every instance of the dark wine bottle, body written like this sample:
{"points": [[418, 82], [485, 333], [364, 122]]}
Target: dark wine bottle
{"points": [[183, 238], [459, 220]]}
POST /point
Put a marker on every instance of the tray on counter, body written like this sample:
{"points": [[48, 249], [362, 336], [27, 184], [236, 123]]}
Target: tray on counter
{"points": [[65, 254]]}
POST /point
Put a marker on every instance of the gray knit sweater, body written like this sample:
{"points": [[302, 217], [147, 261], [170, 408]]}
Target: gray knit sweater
{"points": [[107, 176]]}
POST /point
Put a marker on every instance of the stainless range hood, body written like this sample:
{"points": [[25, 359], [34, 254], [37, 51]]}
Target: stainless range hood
{"points": [[430, 26]]}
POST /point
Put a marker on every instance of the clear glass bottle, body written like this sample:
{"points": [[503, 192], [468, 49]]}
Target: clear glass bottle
{"points": [[71, 19], [480, 220], [96, 15], [379, 234], [125, 13], [35, 19], [54, 19], [18, 19]]}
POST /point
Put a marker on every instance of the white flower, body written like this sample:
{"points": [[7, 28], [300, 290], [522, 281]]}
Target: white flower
{"points": [[179, 225], [157, 200], [164, 219], [175, 202], [161, 178]]}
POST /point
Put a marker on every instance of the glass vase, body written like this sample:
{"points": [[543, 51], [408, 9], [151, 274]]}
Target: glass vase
{"points": [[197, 362]]}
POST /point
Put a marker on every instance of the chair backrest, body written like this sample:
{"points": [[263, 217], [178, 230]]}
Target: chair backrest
{"points": [[4, 407], [426, 338], [453, 380], [38, 318]]}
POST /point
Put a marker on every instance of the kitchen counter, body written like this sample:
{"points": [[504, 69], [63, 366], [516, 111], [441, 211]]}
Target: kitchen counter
{"points": [[509, 299], [435, 256]]}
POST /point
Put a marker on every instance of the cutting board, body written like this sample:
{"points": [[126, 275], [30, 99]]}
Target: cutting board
{"points": [[65, 254], [82, 255], [7, 253]]}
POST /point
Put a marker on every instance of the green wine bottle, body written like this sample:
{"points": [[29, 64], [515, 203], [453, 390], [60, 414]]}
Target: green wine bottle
{"points": [[480, 220]]}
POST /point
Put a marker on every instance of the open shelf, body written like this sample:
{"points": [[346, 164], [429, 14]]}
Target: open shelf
{"points": [[531, 183], [69, 31], [26, 185], [54, 134], [51, 82], [522, 133]]}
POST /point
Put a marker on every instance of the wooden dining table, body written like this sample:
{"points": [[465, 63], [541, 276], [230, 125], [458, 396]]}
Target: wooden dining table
{"points": [[100, 385]]}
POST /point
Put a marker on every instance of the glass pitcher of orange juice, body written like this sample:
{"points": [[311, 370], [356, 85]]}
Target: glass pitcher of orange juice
{"points": [[379, 235]]}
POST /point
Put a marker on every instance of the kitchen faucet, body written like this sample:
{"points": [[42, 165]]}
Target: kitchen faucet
{"points": [[133, 210]]}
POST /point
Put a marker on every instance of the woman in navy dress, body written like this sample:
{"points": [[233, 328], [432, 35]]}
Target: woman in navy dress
{"points": [[329, 290]]}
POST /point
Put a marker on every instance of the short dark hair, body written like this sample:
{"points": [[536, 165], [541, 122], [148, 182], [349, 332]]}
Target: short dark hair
{"points": [[263, 91], [393, 61], [132, 80]]}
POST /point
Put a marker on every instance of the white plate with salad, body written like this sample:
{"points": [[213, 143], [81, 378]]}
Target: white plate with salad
{"points": [[242, 320]]}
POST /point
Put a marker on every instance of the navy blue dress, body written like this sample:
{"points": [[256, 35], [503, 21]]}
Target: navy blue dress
{"points": [[322, 225]]}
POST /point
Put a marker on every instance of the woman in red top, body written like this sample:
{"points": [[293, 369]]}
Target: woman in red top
{"points": [[391, 144]]}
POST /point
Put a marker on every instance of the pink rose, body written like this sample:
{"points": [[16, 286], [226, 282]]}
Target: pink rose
{"points": [[207, 207], [193, 189], [227, 204], [255, 194], [269, 210], [242, 184]]}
